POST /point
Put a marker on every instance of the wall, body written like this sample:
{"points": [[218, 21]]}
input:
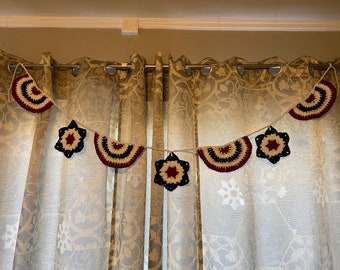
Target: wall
{"points": [[68, 44]]}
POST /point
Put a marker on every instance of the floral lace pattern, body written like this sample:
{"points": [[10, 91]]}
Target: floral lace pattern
{"points": [[231, 194]]}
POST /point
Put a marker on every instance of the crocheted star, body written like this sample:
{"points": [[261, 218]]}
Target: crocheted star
{"points": [[115, 154], [317, 104], [228, 157], [71, 139], [171, 172], [29, 96], [272, 145]]}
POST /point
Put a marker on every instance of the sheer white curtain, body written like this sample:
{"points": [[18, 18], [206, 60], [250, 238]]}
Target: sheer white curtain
{"points": [[97, 207], [262, 215]]}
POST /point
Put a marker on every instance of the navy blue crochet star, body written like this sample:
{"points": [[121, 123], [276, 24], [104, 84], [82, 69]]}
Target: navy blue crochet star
{"points": [[272, 145], [172, 172], [71, 139]]}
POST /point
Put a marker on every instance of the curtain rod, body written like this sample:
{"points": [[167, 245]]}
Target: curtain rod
{"points": [[111, 68]]}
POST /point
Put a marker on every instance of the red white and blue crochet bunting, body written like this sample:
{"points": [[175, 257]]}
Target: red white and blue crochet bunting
{"points": [[115, 154], [317, 104], [173, 172], [228, 157], [29, 96]]}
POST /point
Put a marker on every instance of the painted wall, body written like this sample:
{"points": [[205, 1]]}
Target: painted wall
{"points": [[68, 44]]}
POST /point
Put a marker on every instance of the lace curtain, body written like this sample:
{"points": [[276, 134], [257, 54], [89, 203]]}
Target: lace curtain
{"points": [[75, 212]]}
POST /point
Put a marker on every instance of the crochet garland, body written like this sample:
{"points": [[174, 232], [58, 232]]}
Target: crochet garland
{"points": [[172, 171]]}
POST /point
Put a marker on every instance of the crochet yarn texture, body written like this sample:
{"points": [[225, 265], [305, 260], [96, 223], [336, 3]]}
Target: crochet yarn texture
{"points": [[228, 157], [29, 96], [317, 104], [115, 154]]}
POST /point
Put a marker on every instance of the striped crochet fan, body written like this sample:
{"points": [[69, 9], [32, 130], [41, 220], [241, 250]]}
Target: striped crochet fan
{"points": [[317, 104], [28, 95], [228, 157], [115, 154]]}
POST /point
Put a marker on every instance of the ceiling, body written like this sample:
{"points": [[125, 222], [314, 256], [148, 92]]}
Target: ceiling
{"points": [[315, 11]]}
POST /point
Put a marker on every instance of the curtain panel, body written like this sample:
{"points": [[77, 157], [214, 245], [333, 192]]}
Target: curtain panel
{"points": [[173, 168]]}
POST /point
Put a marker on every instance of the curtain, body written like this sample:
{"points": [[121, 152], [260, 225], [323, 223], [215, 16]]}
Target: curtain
{"points": [[176, 168]]}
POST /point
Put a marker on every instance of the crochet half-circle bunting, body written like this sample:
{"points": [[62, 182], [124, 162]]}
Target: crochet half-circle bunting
{"points": [[228, 157], [27, 94], [318, 102], [172, 172], [115, 154]]}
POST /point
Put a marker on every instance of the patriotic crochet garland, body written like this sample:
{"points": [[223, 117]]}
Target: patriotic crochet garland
{"points": [[172, 171]]}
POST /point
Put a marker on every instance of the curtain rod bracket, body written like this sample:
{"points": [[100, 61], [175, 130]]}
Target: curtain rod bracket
{"points": [[130, 26]]}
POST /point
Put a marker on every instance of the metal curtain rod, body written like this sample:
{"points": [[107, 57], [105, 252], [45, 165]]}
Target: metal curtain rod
{"points": [[111, 68]]}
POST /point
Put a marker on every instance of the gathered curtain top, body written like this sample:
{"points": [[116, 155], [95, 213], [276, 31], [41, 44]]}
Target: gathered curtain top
{"points": [[223, 85]]}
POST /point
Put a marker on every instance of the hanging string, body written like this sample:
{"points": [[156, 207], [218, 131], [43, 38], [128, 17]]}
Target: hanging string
{"points": [[336, 78], [17, 65]]}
